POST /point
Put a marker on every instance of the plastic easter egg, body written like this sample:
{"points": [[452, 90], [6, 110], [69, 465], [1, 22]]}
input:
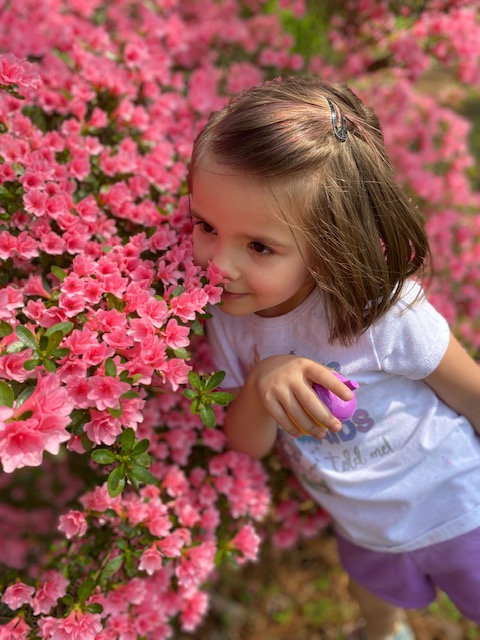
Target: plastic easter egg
{"points": [[341, 409]]}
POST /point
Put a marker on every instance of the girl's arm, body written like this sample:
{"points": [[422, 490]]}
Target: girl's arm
{"points": [[456, 381], [278, 391]]}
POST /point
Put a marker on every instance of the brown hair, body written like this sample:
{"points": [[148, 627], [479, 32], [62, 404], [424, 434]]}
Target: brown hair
{"points": [[365, 236]]}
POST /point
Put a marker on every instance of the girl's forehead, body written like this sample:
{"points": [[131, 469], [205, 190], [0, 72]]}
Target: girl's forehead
{"points": [[218, 176]]}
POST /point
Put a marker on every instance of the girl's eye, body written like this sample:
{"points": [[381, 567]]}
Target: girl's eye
{"points": [[260, 248], [204, 226]]}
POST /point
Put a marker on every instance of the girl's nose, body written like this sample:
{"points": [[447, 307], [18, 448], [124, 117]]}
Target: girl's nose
{"points": [[227, 264]]}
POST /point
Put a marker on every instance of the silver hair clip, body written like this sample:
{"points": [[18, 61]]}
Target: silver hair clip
{"points": [[340, 132]]}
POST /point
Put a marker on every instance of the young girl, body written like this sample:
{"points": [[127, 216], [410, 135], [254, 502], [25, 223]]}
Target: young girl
{"points": [[294, 199]]}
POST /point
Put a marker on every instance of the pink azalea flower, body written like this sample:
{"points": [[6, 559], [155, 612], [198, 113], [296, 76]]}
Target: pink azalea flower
{"points": [[176, 372], [195, 565], [76, 626], [11, 366], [176, 335], [151, 560], [247, 542], [186, 305], [102, 428], [18, 594], [15, 629], [78, 388], [11, 298], [194, 608], [21, 445], [8, 245], [105, 391], [73, 524], [35, 201], [52, 588], [17, 72]]}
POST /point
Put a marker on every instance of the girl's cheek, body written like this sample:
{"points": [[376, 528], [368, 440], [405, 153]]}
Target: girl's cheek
{"points": [[199, 256]]}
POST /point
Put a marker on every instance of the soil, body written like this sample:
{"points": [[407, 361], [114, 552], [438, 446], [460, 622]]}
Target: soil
{"points": [[302, 594]]}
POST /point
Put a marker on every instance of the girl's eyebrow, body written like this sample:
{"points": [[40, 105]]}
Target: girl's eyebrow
{"points": [[267, 241]]}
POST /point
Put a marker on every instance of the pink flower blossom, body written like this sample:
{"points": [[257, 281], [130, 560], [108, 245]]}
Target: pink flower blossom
{"points": [[22, 442], [18, 594], [176, 336], [105, 391], [76, 626], [151, 560], [102, 428], [17, 72], [247, 542], [52, 588], [196, 565], [73, 523], [15, 629]]}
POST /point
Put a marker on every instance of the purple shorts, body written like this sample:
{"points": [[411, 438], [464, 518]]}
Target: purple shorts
{"points": [[408, 580]]}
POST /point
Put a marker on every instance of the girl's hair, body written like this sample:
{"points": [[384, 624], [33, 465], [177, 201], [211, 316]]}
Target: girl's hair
{"points": [[335, 186]]}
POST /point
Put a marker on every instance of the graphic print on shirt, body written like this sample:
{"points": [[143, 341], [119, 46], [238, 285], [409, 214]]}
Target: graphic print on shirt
{"points": [[339, 459]]}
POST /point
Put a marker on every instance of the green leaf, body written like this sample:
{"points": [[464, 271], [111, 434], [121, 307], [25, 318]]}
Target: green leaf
{"points": [[60, 353], [197, 327], [141, 474], [110, 368], [129, 394], [142, 458], [190, 394], [15, 347], [115, 413], [195, 406], [222, 398], [127, 440], [140, 447], [49, 365], [95, 607], [64, 327], [5, 329], [54, 339], [26, 337], [178, 291], [29, 365], [78, 418], [215, 380], [181, 353], [194, 380], [59, 273], [103, 456], [116, 482], [111, 568], [114, 302], [68, 600], [207, 416], [6, 395], [24, 395], [130, 566], [85, 590]]}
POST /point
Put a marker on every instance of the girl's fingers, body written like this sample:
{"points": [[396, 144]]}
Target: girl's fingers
{"points": [[296, 421]]}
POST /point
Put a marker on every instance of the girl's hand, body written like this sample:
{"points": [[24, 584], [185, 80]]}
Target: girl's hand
{"points": [[284, 386]]}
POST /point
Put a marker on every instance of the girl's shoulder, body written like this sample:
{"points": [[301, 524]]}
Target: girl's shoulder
{"points": [[412, 337]]}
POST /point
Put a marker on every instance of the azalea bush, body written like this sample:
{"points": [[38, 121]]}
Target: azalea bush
{"points": [[119, 500]]}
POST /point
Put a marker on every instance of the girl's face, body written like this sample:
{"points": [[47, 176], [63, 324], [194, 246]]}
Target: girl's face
{"points": [[258, 253]]}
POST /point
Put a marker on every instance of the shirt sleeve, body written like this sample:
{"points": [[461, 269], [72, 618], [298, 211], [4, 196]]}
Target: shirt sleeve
{"points": [[223, 355], [412, 338]]}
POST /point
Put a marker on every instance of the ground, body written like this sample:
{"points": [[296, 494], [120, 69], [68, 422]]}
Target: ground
{"points": [[302, 594]]}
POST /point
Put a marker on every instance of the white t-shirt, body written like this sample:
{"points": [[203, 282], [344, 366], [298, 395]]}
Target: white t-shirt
{"points": [[404, 471]]}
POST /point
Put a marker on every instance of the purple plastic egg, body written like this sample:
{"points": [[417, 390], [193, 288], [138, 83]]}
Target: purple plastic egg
{"points": [[341, 409]]}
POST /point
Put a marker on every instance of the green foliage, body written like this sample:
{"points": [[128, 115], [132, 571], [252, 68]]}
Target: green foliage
{"points": [[310, 32], [132, 461], [203, 395]]}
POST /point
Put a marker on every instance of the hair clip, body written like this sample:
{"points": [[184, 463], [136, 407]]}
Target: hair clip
{"points": [[340, 132]]}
